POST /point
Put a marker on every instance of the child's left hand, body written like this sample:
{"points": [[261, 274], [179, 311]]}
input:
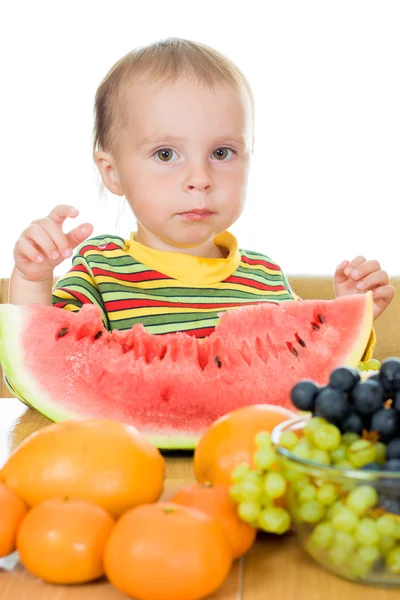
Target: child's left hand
{"points": [[359, 276]]}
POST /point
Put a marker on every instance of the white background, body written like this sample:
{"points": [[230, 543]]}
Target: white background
{"points": [[325, 182]]}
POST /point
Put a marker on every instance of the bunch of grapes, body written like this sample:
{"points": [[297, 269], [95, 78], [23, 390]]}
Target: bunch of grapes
{"points": [[259, 491], [360, 407], [347, 526]]}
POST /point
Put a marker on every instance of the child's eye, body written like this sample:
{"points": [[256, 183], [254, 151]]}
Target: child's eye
{"points": [[164, 154], [221, 153]]}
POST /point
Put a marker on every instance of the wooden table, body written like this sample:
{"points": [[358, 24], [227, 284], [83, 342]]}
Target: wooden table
{"points": [[274, 568]]}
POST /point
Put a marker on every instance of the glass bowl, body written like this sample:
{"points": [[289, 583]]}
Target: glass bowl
{"points": [[348, 520]]}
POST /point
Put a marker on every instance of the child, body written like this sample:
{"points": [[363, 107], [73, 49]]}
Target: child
{"points": [[173, 134]]}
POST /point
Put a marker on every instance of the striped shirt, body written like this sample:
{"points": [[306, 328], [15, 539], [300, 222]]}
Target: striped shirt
{"points": [[167, 291]]}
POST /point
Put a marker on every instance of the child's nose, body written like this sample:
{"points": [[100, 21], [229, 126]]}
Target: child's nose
{"points": [[198, 178]]}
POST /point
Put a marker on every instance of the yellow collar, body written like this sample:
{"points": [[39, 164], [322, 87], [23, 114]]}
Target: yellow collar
{"points": [[193, 270]]}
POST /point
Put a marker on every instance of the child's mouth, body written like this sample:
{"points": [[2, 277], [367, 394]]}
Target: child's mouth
{"points": [[196, 215]]}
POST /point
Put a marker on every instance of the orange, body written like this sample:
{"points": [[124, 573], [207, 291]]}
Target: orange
{"points": [[62, 541], [106, 462], [214, 500], [230, 441], [12, 510], [167, 552]]}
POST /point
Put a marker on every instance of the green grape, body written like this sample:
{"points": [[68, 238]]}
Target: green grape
{"points": [[349, 437], [320, 456], [235, 492], [288, 440], [386, 525], [344, 464], [264, 458], [339, 454], [358, 567], [265, 500], [251, 486], [239, 472], [345, 520], [342, 547], [372, 365], [334, 509], [293, 474], [311, 512], [361, 366], [306, 493], [327, 437], [380, 450], [274, 520], [263, 439], [386, 543], [302, 450], [275, 485], [397, 529], [368, 554], [393, 560], [312, 425], [322, 536], [362, 498], [327, 494], [366, 533], [249, 511], [361, 453]]}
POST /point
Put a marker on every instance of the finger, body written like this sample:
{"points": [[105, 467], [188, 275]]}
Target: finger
{"points": [[79, 234], [382, 296], [365, 268], [58, 236], [27, 250], [41, 238], [339, 276], [384, 292], [61, 212], [373, 280], [353, 264]]}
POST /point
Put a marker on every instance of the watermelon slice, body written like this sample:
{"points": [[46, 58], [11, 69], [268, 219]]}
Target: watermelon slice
{"points": [[173, 386]]}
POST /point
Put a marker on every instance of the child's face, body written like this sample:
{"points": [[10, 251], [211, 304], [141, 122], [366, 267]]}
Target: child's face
{"points": [[182, 161]]}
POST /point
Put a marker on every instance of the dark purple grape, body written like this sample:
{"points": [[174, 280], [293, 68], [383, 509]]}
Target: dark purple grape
{"points": [[386, 422], [396, 401], [332, 405], [388, 371], [344, 379], [352, 423], [371, 467], [390, 504], [393, 449], [303, 395], [396, 381], [392, 465], [375, 377], [368, 397]]}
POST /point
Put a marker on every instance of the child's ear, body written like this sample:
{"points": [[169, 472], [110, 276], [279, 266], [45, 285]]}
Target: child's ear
{"points": [[108, 171]]}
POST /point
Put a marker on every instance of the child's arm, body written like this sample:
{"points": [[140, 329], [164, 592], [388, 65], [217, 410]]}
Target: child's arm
{"points": [[359, 276], [43, 246]]}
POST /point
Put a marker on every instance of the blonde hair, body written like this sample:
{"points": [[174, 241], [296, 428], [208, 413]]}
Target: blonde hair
{"points": [[164, 61]]}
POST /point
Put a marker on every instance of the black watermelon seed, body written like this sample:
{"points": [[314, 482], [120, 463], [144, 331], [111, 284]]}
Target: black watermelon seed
{"points": [[98, 334], [218, 362], [62, 332], [321, 319], [315, 326]]}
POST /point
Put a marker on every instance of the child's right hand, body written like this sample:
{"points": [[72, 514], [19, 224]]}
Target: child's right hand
{"points": [[43, 245]]}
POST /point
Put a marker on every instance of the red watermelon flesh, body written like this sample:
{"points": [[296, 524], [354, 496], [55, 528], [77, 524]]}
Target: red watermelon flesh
{"points": [[173, 386]]}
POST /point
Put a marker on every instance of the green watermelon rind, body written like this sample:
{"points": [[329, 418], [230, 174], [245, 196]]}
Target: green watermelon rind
{"points": [[11, 328]]}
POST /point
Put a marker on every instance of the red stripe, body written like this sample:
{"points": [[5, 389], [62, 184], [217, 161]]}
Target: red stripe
{"points": [[258, 261], [255, 284], [115, 305], [146, 276]]}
